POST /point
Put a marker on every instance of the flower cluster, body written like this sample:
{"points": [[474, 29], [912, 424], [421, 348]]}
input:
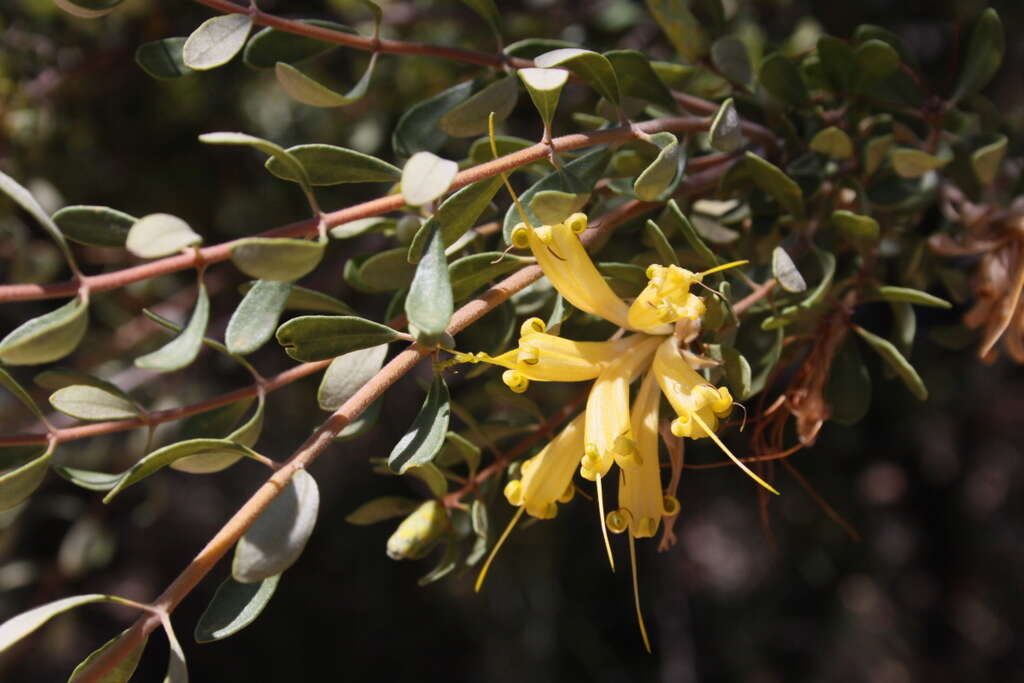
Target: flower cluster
{"points": [[610, 433]]}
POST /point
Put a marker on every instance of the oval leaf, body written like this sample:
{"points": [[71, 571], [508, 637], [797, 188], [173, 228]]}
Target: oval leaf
{"points": [[97, 226], [638, 79], [23, 198], [910, 296], [18, 484], [330, 165], [288, 162], [681, 26], [469, 273], [855, 227], [592, 67], [280, 259], [93, 403], [545, 88], [876, 61], [318, 337], [278, 536], [254, 321], [785, 271], [833, 142], [665, 171], [429, 305], [984, 54], [122, 671], [16, 628], [88, 479], [848, 391], [233, 607], [184, 348], [424, 439], [216, 41], [772, 180], [270, 45], [456, 215], [426, 177], [160, 234], [306, 90], [726, 135], [418, 130], [12, 385], [380, 509], [163, 58], [729, 55], [896, 361], [986, 160], [913, 163], [470, 118], [347, 374], [782, 79], [87, 10], [47, 338]]}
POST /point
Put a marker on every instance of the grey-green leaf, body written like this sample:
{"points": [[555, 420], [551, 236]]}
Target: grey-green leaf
{"points": [[896, 361], [184, 348], [122, 671], [233, 607], [425, 177], [876, 61], [17, 627], [834, 142], [277, 537], [255, 319], [856, 227], [97, 226], [12, 385], [88, 479], [93, 403], [380, 509], [986, 159], [469, 273], [782, 79], [163, 58], [456, 215], [309, 91], [661, 244], [984, 54], [469, 118], [18, 484], [729, 55], [772, 180], [216, 41], [913, 163], [592, 67], [289, 164], [177, 671], [838, 62], [424, 439], [47, 338], [160, 234], [726, 135], [270, 46], [681, 26], [638, 79], [664, 172], [545, 88], [318, 337], [418, 130], [331, 165], [280, 259], [785, 271], [429, 305], [213, 459], [908, 295], [848, 390], [23, 198], [488, 11], [673, 216], [347, 374]]}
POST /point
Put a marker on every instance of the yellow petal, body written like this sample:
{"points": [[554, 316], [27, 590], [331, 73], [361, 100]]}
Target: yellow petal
{"points": [[549, 473], [640, 491], [666, 299]]}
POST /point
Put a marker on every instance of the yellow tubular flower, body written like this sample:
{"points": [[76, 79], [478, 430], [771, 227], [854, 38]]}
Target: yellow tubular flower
{"points": [[640, 494], [566, 263], [547, 476], [666, 299], [608, 433]]}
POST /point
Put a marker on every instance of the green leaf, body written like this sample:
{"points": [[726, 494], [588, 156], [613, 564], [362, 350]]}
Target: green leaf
{"points": [[827, 265], [833, 142], [18, 484], [469, 273], [986, 160], [876, 61], [309, 91], [712, 230], [122, 671], [177, 671], [347, 374], [270, 46], [163, 58], [674, 217], [681, 27], [330, 165], [463, 449], [480, 150], [446, 565], [162, 457], [838, 62], [424, 439], [913, 163], [782, 79], [184, 348], [554, 206], [896, 361], [664, 173], [88, 9], [545, 88], [456, 215], [855, 227], [160, 234], [592, 67], [47, 338], [418, 129], [984, 55], [87, 479], [730, 57], [848, 390], [661, 244], [289, 164], [17, 627], [93, 403], [470, 117], [280, 259], [23, 198], [12, 385], [761, 349], [380, 509], [908, 295], [278, 536], [425, 177], [300, 298], [362, 424], [785, 271], [216, 459], [488, 11], [772, 180], [725, 134], [361, 226], [216, 41], [233, 607], [97, 226], [256, 317], [576, 177], [638, 79], [429, 305], [318, 337], [385, 271]]}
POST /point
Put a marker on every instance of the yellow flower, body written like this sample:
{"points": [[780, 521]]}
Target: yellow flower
{"points": [[608, 433]]}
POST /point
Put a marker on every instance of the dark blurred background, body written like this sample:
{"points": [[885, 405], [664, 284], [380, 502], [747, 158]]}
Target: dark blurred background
{"points": [[932, 592]]}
